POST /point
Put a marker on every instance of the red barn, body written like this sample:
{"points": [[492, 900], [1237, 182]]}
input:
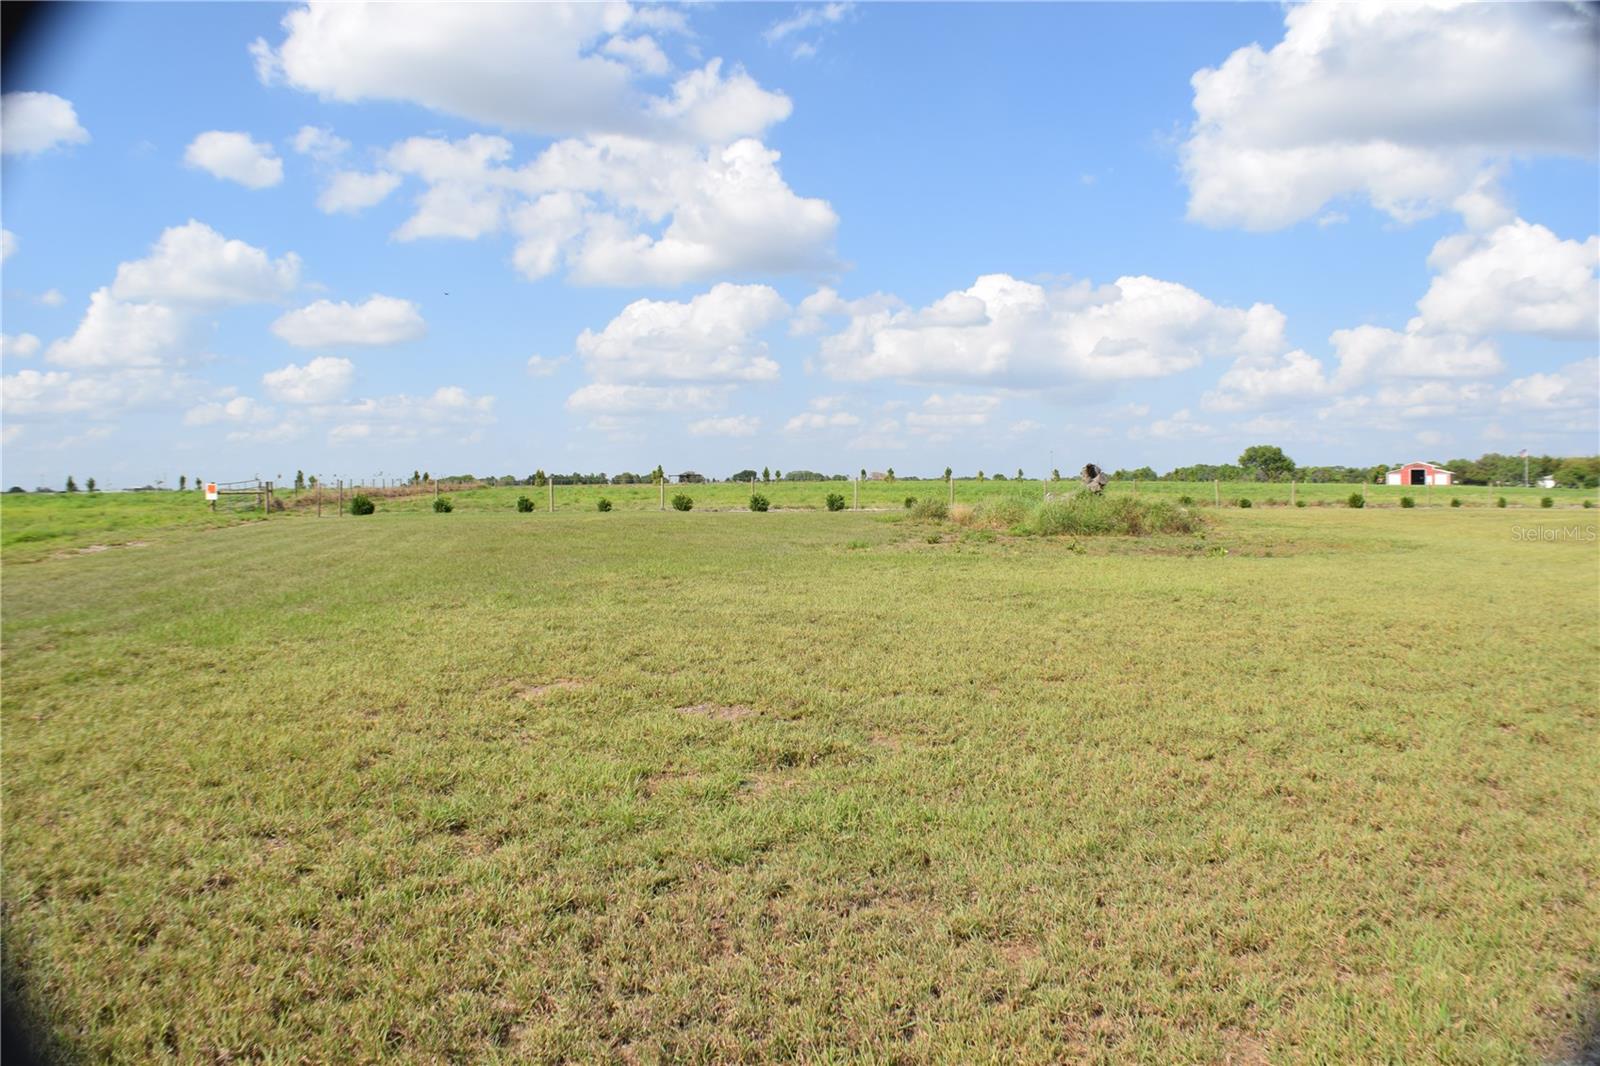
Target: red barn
{"points": [[1419, 474]]}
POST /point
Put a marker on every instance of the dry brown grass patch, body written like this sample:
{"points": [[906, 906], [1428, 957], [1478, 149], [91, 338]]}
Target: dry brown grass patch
{"points": [[534, 692], [718, 711]]}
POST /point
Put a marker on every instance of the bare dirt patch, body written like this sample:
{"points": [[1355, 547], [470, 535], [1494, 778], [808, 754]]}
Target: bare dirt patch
{"points": [[885, 741], [534, 692], [720, 712]]}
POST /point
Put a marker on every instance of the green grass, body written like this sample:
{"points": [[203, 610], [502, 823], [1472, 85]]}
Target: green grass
{"points": [[32, 526], [1321, 785]]}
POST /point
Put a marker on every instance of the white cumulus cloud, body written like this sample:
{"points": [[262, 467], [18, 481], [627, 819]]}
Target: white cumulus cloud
{"points": [[233, 156], [118, 333], [1405, 104], [380, 320], [193, 264], [18, 346], [711, 337], [1520, 278], [1002, 329], [322, 380], [32, 122], [350, 191]]}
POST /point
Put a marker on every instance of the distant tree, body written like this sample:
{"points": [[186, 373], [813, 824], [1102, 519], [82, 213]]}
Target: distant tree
{"points": [[766, 474], [425, 476], [1019, 473], [539, 477], [89, 484], [777, 475], [72, 486], [889, 474], [1266, 462], [299, 480], [863, 473], [997, 477], [948, 473], [312, 480], [182, 482], [980, 475], [1055, 474]]}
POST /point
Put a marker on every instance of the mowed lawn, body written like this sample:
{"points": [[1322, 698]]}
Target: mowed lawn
{"points": [[637, 787]]}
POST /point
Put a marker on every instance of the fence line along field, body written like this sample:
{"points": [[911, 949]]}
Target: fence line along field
{"points": [[1299, 784]]}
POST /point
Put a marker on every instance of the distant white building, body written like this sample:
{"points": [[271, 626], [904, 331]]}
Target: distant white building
{"points": [[1546, 483], [1419, 474]]}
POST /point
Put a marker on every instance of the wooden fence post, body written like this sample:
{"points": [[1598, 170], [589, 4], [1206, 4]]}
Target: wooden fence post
{"points": [[1216, 491]]}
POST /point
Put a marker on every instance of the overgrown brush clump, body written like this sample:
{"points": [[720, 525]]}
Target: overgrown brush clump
{"points": [[1357, 500], [1547, 501], [362, 505], [524, 504], [759, 502], [604, 505], [835, 502], [1499, 501], [680, 502], [442, 505], [1455, 501], [996, 512], [930, 509], [1244, 501], [1087, 514], [1407, 501]]}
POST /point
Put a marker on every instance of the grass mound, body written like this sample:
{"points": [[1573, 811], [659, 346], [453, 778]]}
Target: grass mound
{"points": [[1081, 514], [1086, 514]]}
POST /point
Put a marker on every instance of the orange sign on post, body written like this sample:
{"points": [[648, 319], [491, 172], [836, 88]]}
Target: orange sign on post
{"points": [[211, 491]]}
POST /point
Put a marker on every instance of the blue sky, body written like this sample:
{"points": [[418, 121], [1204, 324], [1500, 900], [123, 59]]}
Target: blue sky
{"points": [[823, 236]]}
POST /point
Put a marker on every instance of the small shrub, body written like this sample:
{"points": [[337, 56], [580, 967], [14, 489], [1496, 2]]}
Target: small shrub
{"points": [[1587, 504], [934, 538], [604, 505], [1244, 501], [934, 510], [911, 501], [442, 505], [856, 545], [362, 505], [1547, 501], [1357, 500], [1407, 501], [835, 502], [1455, 501], [1499, 501], [680, 502], [1187, 501], [524, 504], [1299, 503], [759, 502]]}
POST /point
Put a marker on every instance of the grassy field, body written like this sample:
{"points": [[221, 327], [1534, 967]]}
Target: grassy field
{"points": [[1317, 785], [32, 526]]}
